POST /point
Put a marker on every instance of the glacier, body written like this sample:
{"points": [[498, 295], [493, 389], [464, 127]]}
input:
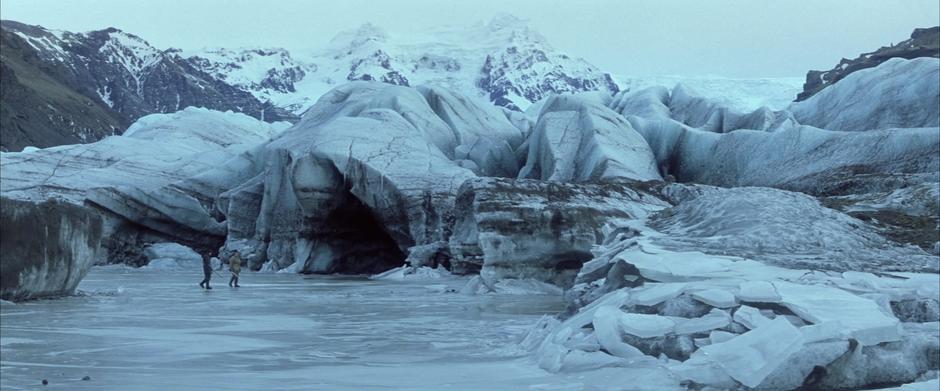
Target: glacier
{"points": [[691, 241]]}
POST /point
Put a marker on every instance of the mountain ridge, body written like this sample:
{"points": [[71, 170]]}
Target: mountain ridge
{"points": [[104, 80]]}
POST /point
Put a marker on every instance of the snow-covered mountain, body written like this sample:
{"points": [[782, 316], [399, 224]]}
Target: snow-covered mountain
{"points": [[98, 82], [502, 60], [62, 87]]}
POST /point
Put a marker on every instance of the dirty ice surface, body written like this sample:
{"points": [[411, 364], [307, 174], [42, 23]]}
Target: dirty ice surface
{"points": [[138, 329]]}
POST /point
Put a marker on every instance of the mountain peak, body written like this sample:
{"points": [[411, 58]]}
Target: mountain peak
{"points": [[504, 21], [511, 28], [365, 33]]}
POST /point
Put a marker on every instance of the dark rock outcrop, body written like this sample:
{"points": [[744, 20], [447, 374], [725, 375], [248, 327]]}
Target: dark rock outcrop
{"points": [[47, 247], [924, 42]]}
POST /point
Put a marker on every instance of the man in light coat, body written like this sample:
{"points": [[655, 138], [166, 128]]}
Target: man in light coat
{"points": [[235, 265]]}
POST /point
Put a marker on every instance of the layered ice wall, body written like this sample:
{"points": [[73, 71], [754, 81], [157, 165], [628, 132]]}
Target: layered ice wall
{"points": [[140, 181], [48, 247], [578, 139], [377, 174]]}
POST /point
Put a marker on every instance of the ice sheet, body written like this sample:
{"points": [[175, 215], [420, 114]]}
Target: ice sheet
{"points": [[136, 329]]}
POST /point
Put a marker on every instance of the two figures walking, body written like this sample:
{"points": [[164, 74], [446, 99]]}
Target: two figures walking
{"points": [[234, 265]]}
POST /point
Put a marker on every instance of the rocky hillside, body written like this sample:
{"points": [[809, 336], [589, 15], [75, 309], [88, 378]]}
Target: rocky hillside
{"points": [[38, 105], [62, 87], [924, 42]]}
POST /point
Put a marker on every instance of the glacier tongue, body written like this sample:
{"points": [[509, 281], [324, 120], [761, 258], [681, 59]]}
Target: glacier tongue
{"points": [[577, 139]]}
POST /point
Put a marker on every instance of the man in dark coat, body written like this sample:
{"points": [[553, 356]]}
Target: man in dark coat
{"points": [[207, 272]]}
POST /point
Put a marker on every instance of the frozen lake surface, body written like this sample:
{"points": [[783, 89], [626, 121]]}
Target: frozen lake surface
{"points": [[135, 329]]}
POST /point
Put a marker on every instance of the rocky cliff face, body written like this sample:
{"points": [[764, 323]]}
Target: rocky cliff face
{"points": [[48, 247], [924, 42], [79, 87]]}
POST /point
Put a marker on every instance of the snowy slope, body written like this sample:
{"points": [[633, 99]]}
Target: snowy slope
{"points": [[738, 94], [268, 73]]}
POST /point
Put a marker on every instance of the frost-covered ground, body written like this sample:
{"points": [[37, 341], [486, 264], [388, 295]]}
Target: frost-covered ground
{"points": [[137, 329]]}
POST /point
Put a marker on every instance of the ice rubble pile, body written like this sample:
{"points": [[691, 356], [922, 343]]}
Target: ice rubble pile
{"points": [[728, 322], [725, 316]]}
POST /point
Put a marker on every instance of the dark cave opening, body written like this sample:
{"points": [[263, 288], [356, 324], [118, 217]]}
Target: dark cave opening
{"points": [[358, 241]]}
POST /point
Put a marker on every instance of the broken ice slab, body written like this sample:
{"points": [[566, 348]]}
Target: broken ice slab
{"points": [[718, 336], [702, 370], [715, 319], [646, 326], [823, 331], [750, 317], [750, 357], [608, 324], [715, 297], [861, 318], [929, 385], [794, 371], [654, 293], [664, 266], [758, 292], [585, 315]]}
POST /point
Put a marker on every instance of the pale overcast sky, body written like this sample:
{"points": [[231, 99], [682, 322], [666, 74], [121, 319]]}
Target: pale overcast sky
{"points": [[735, 38]]}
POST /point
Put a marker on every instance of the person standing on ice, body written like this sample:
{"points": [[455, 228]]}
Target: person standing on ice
{"points": [[235, 265], [206, 271]]}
